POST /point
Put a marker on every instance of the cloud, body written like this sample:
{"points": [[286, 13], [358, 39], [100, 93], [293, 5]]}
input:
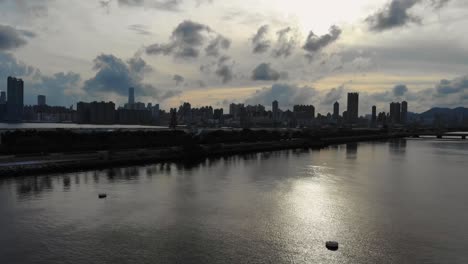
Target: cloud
{"points": [[260, 42], [116, 75], [9, 65], [28, 9], [188, 39], [333, 95], [456, 86], [286, 94], [264, 72], [396, 14], [138, 65], [178, 79], [200, 83], [217, 44], [400, 90], [167, 5], [285, 43], [164, 5], [59, 88], [11, 38], [225, 69], [315, 43], [140, 29]]}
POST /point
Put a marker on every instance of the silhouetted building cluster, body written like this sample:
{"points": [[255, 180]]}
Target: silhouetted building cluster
{"points": [[12, 109]]}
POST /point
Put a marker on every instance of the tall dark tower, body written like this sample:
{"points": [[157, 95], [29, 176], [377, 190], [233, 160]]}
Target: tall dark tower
{"points": [[15, 99], [275, 110], [395, 112], [3, 98], [374, 115], [336, 110], [353, 108], [404, 112], [41, 100], [131, 96]]}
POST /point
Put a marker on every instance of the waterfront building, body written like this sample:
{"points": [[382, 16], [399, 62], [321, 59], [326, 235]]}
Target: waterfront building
{"points": [[131, 96], [395, 112], [95, 113], [374, 116], [15, 99], [275, 111], [336, 110], [353, 108], [41, 100], [404, 112]]}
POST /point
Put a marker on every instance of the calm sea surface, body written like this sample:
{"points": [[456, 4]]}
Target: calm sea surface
{"points": [[402, 201]]}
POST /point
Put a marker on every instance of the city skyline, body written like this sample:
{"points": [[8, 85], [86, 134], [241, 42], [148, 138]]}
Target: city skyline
{"points": [[16, 95], [237, 52]]}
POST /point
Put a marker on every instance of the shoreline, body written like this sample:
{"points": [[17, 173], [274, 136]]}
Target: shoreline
{"points": [[17, 166]]}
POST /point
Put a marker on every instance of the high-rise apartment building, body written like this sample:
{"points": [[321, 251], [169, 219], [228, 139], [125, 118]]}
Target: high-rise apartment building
{"points": [[41, 100], [353, 108], [15, 99]]}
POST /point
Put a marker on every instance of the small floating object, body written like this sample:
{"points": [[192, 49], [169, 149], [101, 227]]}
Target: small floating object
{"points": [[102, 195], [332, 245]]}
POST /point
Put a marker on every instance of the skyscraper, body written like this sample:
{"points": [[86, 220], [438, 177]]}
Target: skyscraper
{"points": [[131, 96], [404, 112], [336, 110], [15, 97], [395, 112], [3, 98], [374, 115], [275, 110], [41, 100], [353, 108]]}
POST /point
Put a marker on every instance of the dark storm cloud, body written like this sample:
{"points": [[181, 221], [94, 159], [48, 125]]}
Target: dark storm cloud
{"points": [[397, 14], [225, 69], [216, 45], [11, 38], [115, 75], [458, 85], [394, 14], [315, 43], [137, 65], [286, 94], [187, 40], [400, 90], [285, 43], [178, 79], [264, 72], [260, 41], [9, 65]]}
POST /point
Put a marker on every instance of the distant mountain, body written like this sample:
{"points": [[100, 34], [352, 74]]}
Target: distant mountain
{"points": [[444, 112]]}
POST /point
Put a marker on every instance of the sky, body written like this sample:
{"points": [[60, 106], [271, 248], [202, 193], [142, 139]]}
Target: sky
{"points": [[215, 52]]}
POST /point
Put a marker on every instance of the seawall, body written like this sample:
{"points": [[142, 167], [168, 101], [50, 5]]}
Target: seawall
{"points": [[11, 166]]}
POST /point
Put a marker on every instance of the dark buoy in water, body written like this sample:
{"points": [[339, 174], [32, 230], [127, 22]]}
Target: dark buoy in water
{"points": [[102, 195], [332, 245]]}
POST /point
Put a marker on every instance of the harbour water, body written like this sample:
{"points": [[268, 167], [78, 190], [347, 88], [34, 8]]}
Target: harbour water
{"points": [[401, 201]]}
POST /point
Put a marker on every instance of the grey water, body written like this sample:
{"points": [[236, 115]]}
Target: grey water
{"points": [[403, 201]]}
